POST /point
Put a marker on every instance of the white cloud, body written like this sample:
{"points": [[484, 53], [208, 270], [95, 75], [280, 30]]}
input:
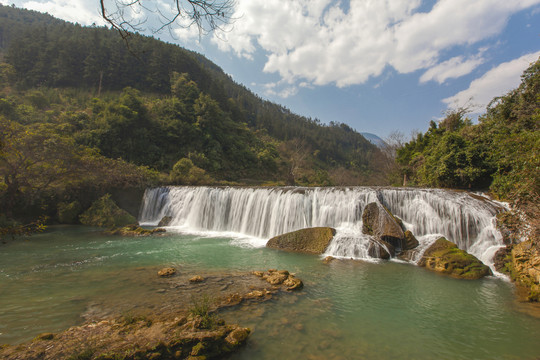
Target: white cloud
{"points": [[496, 82], [277, 89], [79, 11], [450, 69], [320, 43]]}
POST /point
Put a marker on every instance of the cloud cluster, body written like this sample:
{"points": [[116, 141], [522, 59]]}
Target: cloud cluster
{"points": [[327, 42], [77, 11], [496, 82]]}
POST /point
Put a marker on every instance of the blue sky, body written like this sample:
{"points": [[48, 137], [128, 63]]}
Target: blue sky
{"points": [[378, 66]]}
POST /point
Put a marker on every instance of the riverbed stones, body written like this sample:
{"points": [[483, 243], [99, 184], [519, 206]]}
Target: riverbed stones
{"points": [[309, 241], [196, 279], [167, 272], [445, 257], [379, 222], [283, 277], [328, 259]]}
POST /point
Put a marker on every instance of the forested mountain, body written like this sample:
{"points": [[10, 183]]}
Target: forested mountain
{"points": [[76, 99]]}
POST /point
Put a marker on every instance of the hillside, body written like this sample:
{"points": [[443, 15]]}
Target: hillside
{"points": [[91, 116], [46, 52]]}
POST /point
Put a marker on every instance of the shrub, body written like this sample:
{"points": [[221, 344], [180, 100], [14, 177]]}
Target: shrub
{"points": [[105, 213]]}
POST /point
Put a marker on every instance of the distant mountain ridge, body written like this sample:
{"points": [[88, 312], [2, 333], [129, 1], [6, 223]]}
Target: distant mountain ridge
{"points": [[374, 139]]}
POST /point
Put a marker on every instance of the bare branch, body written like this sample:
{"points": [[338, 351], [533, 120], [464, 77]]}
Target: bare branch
{"points": [[207, 15]]}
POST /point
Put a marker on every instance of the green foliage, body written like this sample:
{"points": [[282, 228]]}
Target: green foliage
{"points": [[11, 228], [68, 213], [105, 213], [202, 307], [185, 173], [500, 152], [239, 134]]}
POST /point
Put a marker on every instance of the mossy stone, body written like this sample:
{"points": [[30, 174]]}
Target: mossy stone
{"points": [[310, 241], [445, 257]]}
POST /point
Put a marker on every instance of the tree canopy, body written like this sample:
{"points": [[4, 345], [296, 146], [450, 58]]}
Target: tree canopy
{"points": [[500, 152]]}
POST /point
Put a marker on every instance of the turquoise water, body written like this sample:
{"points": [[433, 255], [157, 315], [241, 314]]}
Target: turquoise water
{"points": [[347, 310]]}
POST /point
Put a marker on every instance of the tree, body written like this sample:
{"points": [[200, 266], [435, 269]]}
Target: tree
{"points": [[207, 15]]}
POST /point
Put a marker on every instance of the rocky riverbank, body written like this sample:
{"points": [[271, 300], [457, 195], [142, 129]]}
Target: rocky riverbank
{"points": [[521, 258], [187, 326]]}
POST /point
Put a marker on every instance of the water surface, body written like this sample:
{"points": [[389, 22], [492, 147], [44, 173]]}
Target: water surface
{"points": [[347, 310]]}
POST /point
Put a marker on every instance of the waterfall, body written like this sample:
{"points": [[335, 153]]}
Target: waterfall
{"points": [[467, 220]]}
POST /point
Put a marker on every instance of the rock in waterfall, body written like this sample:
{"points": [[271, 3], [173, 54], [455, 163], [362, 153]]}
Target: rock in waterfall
{"points": [[379, 222]]}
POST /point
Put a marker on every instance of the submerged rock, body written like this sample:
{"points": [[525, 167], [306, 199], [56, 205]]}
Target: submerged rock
{"points": [[310, 241], [445, 257], [379, 222], [196, 279], [282, 277], [328, 259]]}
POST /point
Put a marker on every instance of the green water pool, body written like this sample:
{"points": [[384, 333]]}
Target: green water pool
{"points": [[347, 309]]}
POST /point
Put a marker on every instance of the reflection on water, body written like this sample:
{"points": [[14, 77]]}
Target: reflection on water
{"points": [[347, 310]]}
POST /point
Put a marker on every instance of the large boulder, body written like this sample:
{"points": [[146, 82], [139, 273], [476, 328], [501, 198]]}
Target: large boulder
{"points": [[379, 222], [445, 257], [310, 241]]}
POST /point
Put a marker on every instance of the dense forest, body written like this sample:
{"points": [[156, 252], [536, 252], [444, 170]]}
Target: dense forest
{"points": [[83, 115]]}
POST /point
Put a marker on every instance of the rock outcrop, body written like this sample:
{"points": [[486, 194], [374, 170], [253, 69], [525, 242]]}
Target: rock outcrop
{"points": [[141, 338], [522, 263], [310, 241], [520, 259], [379, 222], [445, 257]]}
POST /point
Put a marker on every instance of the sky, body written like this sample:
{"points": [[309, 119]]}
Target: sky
{"points": [[379, 66]]}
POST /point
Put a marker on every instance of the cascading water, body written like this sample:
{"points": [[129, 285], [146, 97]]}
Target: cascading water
{"points": [[467, 220]]}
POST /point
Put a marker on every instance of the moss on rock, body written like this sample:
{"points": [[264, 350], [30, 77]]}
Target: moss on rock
{"points": [[445, 257], [310, 241], [134, 230]]}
